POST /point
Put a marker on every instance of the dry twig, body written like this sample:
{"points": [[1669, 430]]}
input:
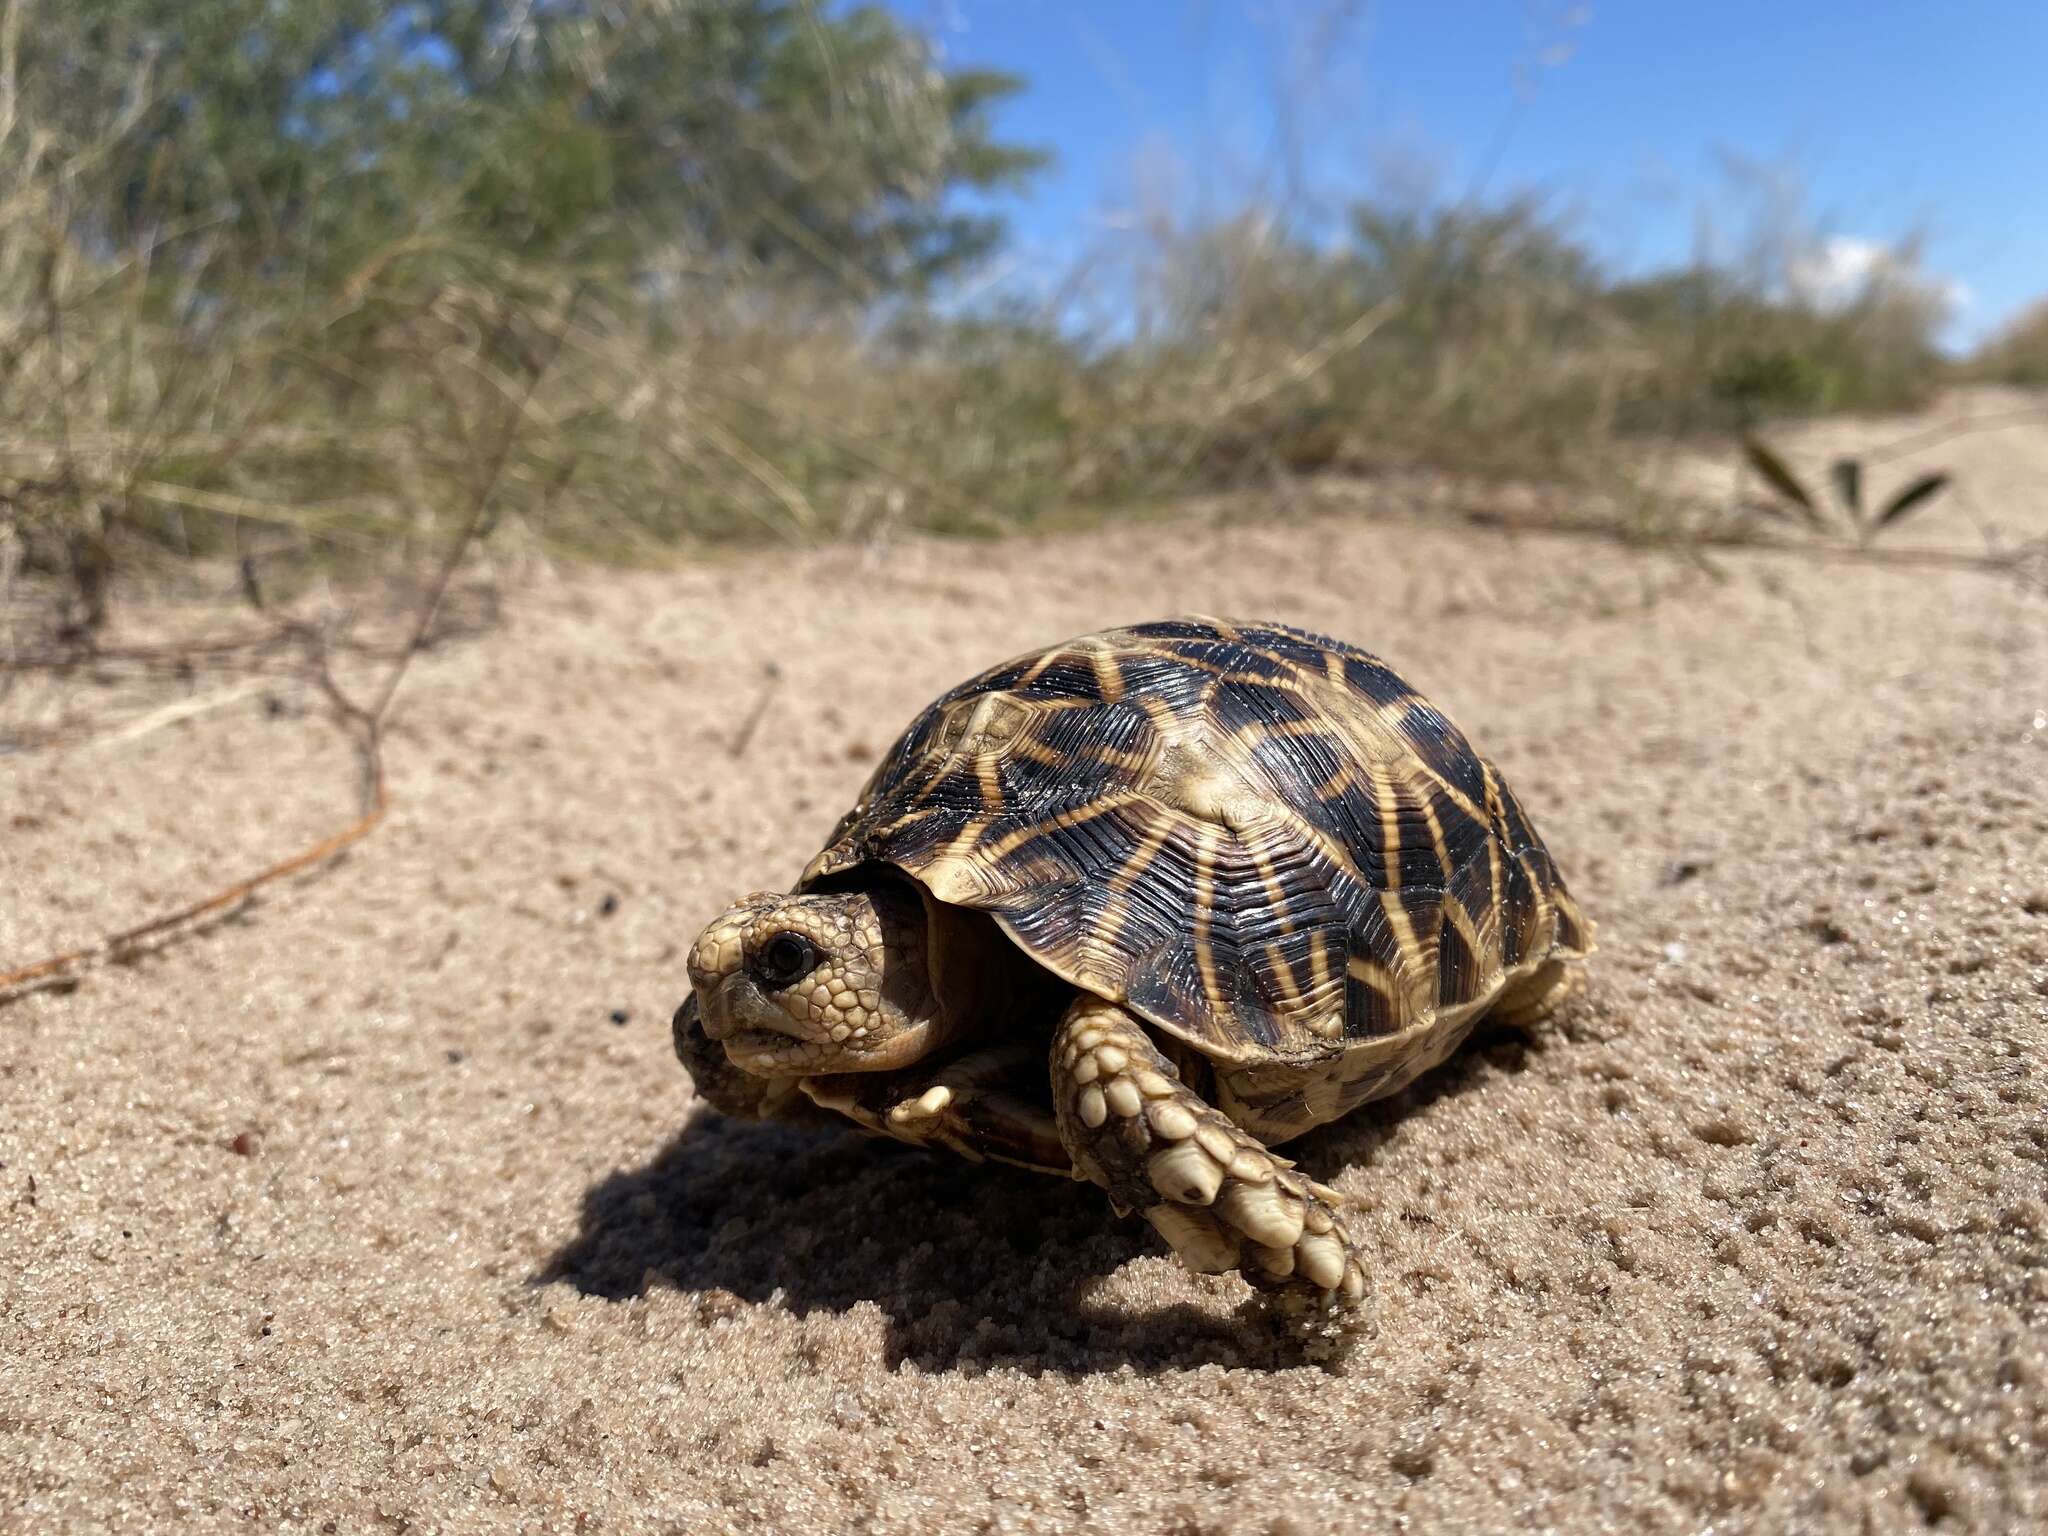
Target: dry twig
{"points": [[744, 737], [367, 723]]}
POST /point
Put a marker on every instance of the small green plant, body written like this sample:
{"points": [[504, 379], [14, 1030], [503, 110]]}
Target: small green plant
{"points": [[1845, 477]]}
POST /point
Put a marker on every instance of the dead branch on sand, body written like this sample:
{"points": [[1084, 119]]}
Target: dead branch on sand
{"points": [[365, 723], [64, 970]]}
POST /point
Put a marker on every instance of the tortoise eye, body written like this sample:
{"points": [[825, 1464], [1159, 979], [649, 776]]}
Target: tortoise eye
{"points": [[784, 958]]}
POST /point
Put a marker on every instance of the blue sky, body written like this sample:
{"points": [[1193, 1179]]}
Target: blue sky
{"points": [[1887, 121]]}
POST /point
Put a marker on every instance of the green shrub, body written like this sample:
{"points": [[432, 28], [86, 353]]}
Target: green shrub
{"points": [[2017, 354], [246, 318]]}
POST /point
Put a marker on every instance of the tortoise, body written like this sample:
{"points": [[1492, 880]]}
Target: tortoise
{"points": [[1135, 909]]}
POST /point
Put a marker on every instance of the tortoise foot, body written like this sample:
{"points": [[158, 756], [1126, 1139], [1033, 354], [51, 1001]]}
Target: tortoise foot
{"points": [[1206, 1185]]}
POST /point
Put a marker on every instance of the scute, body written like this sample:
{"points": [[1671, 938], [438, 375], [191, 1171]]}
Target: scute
{"points": [[1262, 840]]}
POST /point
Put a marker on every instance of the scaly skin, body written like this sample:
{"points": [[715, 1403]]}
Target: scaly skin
{"points": [[985, 1104], [1209, 1188], [864, 1006], [852, 1024]]}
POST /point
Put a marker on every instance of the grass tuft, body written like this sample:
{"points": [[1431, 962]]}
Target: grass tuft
{"points": [[186, 388]]}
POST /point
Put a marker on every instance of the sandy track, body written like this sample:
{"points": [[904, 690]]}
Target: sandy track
{"points": [[1755, 1237]]}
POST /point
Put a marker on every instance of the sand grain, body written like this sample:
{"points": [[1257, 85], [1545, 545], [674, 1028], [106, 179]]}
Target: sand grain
{"points": [[384, 1205]]}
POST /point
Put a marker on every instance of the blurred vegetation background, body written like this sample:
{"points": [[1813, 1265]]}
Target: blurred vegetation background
{"points": [[294, 282]]}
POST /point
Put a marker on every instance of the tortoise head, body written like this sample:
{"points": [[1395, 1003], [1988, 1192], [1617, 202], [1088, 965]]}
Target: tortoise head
{"points": [[838, 981]]}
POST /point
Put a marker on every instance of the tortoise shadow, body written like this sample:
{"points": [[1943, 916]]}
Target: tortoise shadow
{"points": [[972, 1266]]}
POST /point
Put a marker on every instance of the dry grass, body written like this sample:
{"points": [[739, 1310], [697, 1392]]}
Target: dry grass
{"points": [[173, 398], [2017, 354]]}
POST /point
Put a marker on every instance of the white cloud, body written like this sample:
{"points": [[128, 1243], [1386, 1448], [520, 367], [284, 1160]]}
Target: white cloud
{"points": [[1836, 270], [1841, 268]]}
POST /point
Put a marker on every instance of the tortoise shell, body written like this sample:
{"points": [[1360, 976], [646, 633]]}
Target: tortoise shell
{"points": [[1262, 841]]}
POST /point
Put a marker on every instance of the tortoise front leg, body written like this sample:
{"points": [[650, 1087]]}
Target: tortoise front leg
{"points": [[986, 1104], [1212, 1191]]}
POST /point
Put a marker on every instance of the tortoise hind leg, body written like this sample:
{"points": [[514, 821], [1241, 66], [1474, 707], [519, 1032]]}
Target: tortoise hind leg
{"points": [[1205, 1184]]}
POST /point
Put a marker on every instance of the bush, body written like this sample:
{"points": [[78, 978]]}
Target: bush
{"points": [[314, 298], [284, 276], [2018, 354]]}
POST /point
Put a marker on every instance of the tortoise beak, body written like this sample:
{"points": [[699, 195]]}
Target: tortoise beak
{"points": [[719, 1021], [733, 1005]]}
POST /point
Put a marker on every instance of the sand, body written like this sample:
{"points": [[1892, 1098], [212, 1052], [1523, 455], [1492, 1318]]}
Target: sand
{"points": [[385, 1205]]}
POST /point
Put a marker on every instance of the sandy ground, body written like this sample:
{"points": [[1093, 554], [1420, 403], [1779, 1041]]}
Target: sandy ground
{"points": [[385, 1205]]}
